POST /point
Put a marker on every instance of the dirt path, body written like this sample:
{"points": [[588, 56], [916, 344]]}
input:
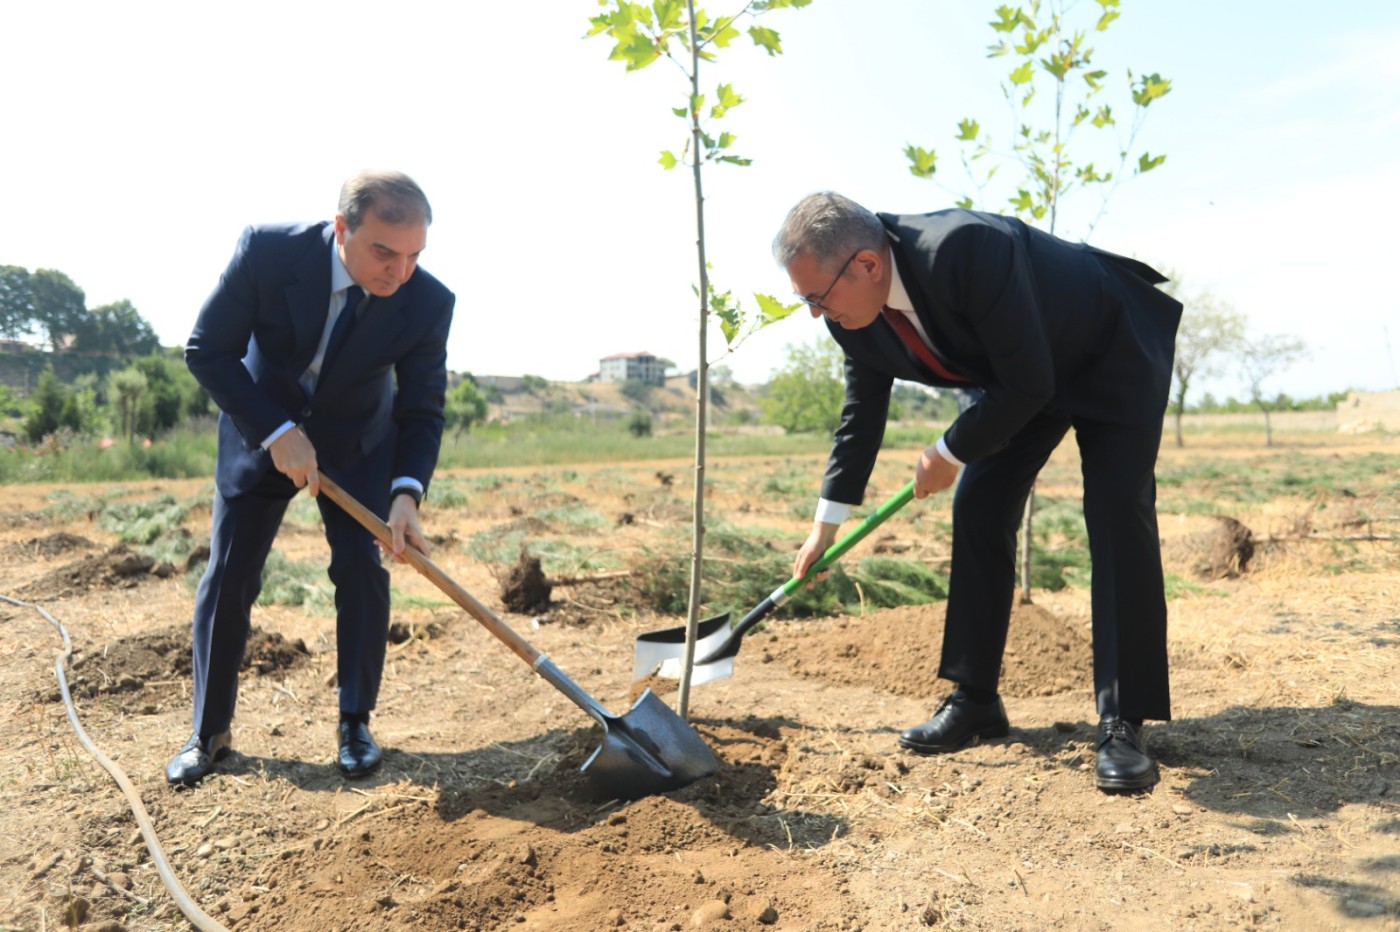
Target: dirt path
{"points": [[1279, 805]]}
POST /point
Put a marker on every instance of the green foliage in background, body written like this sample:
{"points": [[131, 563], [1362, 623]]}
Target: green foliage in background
{"points": [[806, 394]]}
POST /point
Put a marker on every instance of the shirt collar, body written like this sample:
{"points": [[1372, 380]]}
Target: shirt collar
{"points": [[340, 277], [899, 298]]}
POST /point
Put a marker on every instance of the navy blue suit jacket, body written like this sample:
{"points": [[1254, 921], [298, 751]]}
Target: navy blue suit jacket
{"points": [[259, 330], [1033, 320]]}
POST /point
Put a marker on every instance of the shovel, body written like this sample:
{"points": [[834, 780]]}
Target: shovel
{"points": [[649, 750], [663, 652]]}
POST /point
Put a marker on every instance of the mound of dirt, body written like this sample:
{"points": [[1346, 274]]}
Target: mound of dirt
{"points": [[1222, 552], [118, 568], [897, 651], [129, 664], [526, 590], [43, 547]]}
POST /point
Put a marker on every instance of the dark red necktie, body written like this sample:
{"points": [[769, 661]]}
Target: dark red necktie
{"points": [[911, 338]]}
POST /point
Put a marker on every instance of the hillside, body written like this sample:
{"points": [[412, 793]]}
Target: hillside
{"points": [[671, 406]]}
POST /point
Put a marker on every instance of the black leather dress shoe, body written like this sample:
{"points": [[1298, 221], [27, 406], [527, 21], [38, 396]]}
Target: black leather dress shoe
{"points": [[1122, 765], [359, 754], [958, 721], [194, 761]]}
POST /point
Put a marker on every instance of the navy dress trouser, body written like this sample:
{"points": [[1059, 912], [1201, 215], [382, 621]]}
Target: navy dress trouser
{"points": [[243, 530]]}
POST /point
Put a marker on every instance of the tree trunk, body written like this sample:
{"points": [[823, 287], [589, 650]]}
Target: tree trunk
{"points": [[702, 379]]}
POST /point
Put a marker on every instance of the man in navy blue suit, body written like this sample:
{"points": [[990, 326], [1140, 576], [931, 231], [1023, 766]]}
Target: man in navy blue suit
{"points": [[1054, 335], [325, 347]]}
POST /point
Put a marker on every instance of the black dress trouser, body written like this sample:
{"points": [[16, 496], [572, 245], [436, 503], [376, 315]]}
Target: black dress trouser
{"points": [[1120, 513]]}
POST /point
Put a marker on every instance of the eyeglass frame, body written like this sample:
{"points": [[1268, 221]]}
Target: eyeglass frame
{"points": [[817, 301]]}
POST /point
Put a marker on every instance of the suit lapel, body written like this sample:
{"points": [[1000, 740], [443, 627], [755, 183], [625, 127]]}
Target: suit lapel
{"points": [[309, 298]]}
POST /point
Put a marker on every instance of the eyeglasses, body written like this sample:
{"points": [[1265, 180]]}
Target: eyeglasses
{"points": [[816, 302]]}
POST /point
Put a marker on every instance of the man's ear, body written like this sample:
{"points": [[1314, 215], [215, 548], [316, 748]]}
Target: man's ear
{"points": [[872, 263], [342, 227]]}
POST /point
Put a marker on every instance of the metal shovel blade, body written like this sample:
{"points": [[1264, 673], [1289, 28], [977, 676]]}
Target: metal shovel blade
{"points": [[662, 652], [648, 750]]}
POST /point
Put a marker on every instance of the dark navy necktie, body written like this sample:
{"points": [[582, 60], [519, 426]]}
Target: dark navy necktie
{"points": [[355, 301]]}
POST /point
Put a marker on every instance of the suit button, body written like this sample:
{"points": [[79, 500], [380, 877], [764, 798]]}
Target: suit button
{"points": [[306, 412]]}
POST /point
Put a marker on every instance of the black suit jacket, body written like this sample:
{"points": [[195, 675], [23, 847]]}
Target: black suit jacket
{"points": [[1033, 320], [259, 330]]}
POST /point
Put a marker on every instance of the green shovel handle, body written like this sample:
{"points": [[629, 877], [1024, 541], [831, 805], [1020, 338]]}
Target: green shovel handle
{"points": [[857, 534], [730, 646]]}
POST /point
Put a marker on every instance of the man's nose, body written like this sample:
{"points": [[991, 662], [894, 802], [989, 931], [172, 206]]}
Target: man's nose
{"points": [[815, 310]]}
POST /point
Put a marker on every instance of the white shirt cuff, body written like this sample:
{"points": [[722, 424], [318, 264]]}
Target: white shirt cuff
{"points": [[829, 512], [943, 452], [286, 426], [409, 481]]}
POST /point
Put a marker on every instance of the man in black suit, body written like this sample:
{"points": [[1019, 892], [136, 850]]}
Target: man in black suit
{"points": [[324, 346], [1055, 335]]}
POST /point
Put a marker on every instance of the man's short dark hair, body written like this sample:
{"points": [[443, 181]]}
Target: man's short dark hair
{"points": [[394, 197], [829, 227]]}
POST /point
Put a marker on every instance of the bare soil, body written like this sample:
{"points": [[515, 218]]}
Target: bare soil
{"points": [[1279, 805]]}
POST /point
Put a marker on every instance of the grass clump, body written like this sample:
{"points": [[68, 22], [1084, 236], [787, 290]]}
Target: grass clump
{"points": [[289, 582]]}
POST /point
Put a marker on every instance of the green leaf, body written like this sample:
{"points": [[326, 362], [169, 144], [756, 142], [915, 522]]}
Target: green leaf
{"points": [[728, 323], [1103, 116], [668, 159], [728, 98], [734, 160], [669, 14], [965, 203], [721, 34], [773, 310], [1023, 74], [725, 140], [1150, 87], [766, 39], [681, 112], [1022, 202], [1095, 79], [1146, 163], [922, 162], [636, 50], [1009, 19]]}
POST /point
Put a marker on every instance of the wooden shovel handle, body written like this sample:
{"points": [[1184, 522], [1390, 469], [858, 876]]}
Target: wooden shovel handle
{"points": [[420, 562]]}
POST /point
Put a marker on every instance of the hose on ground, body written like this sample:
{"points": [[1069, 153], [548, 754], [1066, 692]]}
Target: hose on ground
{"points": [[198, 917]]}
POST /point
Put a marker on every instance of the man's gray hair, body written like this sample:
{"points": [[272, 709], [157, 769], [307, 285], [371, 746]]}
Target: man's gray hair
{"points": [[828, 226], [394, 197]]}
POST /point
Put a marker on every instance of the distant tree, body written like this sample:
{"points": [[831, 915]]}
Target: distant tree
{"points": [[163, 403], [11, 405], [1211, 331], [82, 408], [127, 390], [807, 393], [117, 330], [60, 308], [16, 302], [465, 406], [45, 407], [534, 385], [640, 424], [1262, 357]]}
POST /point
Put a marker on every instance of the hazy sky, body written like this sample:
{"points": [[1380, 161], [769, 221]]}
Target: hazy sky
{"points": [[143, 136]]}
